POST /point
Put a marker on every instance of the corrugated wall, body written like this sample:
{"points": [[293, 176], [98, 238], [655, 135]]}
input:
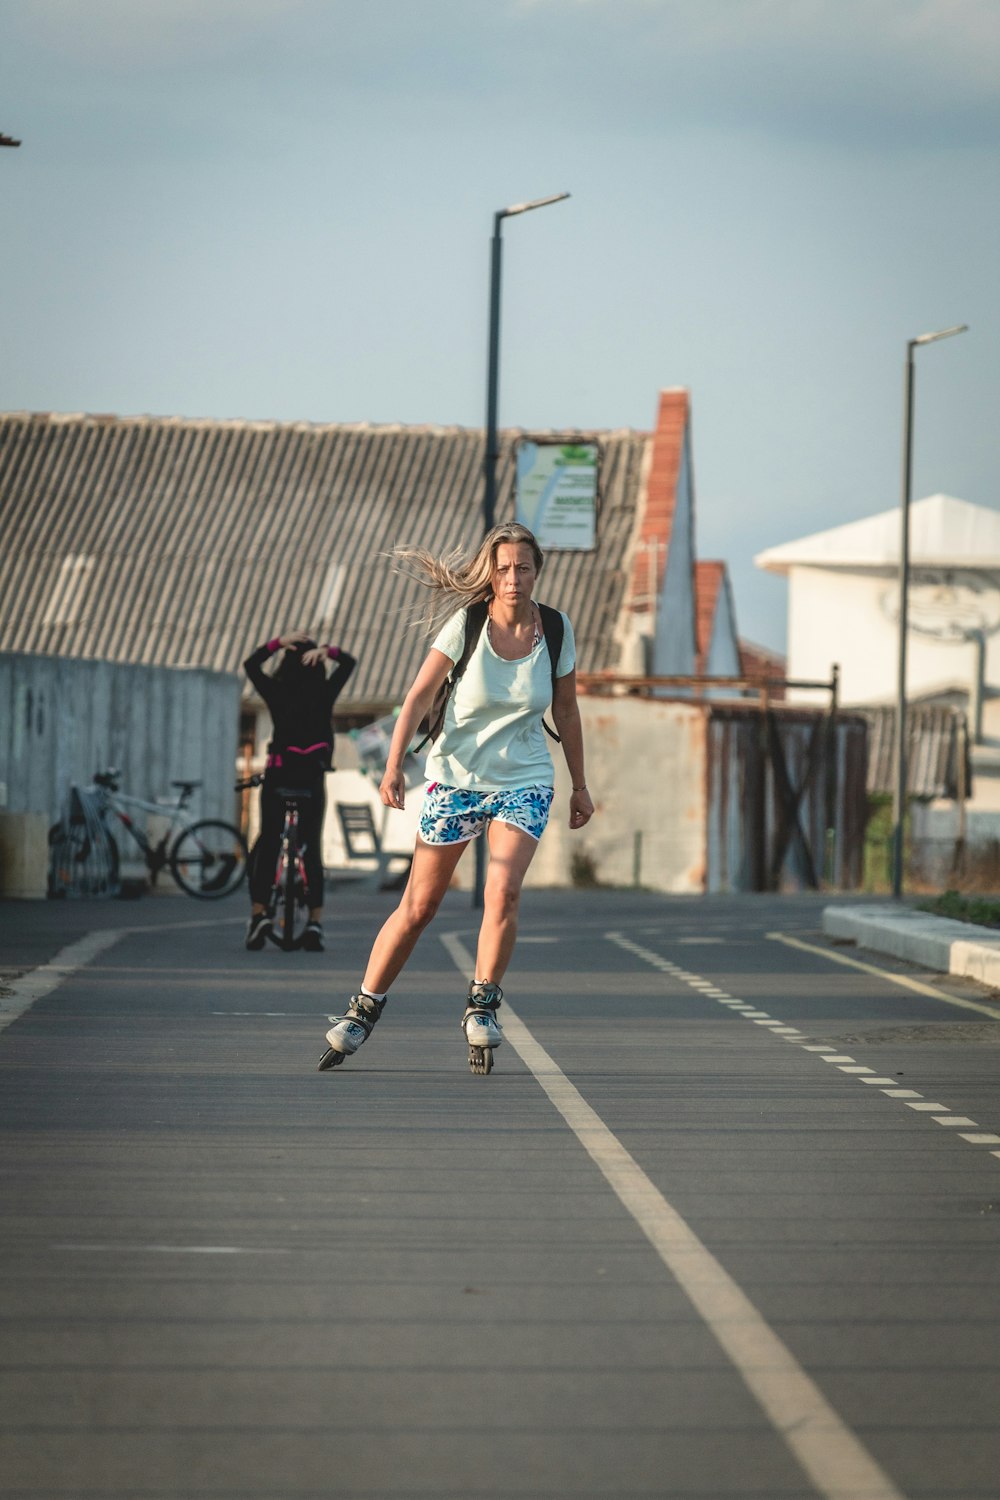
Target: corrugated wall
{"points": [[938, 760], [62, 720]]}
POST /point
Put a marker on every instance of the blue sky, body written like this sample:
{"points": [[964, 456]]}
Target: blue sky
{"points": [[282, 209]]}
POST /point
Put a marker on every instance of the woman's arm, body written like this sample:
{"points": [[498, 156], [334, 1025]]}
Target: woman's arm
{"points": [[344, 664], [416, 706], [254, 667], [566, 717]]}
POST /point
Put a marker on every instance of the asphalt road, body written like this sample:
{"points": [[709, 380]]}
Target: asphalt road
{"points": [[724, 1221]]}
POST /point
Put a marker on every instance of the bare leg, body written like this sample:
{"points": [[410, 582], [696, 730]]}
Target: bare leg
{"points": [[430, 876], [511, 852]]}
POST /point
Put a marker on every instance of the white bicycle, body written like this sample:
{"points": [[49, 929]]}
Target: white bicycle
{"points": [[208, 859]]}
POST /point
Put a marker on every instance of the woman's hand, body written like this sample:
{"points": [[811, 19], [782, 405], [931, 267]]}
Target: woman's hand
{"points": [[581, 809], [293, 639], [392, 789], [314, 658]]}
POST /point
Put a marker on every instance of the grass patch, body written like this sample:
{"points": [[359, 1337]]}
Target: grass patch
{"points": [[979, 910]]}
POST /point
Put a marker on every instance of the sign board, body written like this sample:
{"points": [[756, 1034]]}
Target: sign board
{"points": [[557, 493]]}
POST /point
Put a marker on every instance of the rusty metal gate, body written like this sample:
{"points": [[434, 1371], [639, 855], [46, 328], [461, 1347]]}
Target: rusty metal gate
{"points": [[786, 800]]}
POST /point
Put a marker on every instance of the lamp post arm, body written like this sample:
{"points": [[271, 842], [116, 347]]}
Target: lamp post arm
{"points": [[525, 208]]}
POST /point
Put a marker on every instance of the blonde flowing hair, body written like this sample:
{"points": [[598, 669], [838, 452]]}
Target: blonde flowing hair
{"points": [[454, 583]]}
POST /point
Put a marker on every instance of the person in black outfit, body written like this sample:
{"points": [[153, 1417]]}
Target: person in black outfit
{"points": [[300, 696]]}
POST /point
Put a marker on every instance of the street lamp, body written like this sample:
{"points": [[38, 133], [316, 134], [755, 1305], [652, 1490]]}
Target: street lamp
{"points": [[899, 798], [493, 375], [492, 449]]}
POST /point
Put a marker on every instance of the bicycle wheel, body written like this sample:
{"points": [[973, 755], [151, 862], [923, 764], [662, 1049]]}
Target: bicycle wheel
{"points": [[292, 905], [209, 859]]}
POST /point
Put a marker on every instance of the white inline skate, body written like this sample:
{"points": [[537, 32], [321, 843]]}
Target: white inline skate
{"points": [[482, 1031], [348, 1032]]}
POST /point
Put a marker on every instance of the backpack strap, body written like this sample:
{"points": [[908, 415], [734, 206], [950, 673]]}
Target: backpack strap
{"points": [[475, 619], [554, 627]]}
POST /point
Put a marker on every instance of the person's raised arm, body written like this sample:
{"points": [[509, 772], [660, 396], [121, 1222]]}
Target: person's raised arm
{"points": [[254, 664], [344, 664]]}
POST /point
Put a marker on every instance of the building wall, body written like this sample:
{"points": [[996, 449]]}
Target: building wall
{"points": [[646, 774], [62, 719], [834, 618], [837, 616]]}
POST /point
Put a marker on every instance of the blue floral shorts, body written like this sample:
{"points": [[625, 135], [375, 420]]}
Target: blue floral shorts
{"points": [[454, 815]]}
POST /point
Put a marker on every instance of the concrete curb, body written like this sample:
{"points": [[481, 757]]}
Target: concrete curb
{"points": [[939, 943]]}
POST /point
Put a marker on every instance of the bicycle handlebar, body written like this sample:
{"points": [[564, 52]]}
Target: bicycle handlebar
{"points": [[257, 779], [109, 778]]}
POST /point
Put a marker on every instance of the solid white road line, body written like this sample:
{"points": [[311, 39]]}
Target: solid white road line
{"points": [[836, 1462], [43, 980], [901, 979]]}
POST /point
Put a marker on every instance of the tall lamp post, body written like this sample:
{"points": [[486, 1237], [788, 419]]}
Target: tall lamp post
{"points": [[492, 445], [899, 798]]}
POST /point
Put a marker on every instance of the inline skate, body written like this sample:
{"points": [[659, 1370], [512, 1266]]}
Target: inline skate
{"points": [[349, 1031], [482, 1030]]}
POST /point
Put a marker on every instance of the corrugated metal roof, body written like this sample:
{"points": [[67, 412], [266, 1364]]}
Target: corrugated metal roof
{"points": [[936, 744], [185, 542]]}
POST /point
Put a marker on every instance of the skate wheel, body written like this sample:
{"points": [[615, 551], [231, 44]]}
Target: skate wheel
{"points": [[330, 1059], [480, 1059]]}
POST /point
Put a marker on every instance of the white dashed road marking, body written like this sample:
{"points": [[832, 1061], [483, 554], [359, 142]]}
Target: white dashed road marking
{"points": [[844, 1064]]}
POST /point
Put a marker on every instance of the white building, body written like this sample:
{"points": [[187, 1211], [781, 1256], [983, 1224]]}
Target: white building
{"points": [[843, 607]]}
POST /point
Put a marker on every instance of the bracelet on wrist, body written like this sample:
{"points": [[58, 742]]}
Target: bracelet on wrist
{"points": [[582, 788]]}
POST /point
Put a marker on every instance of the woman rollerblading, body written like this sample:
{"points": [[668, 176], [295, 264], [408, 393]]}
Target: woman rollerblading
{"points": [[495, 665]]}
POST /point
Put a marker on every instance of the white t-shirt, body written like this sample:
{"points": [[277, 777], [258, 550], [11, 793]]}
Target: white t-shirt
{"points": [[492, 739]]}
